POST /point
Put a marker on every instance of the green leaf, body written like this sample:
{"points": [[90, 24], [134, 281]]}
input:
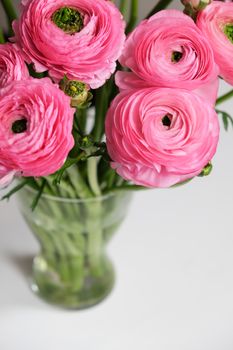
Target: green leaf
{"points": [[225, 97], [27, 181], [14, 190], [69, 162], [38, 196], [226, 118], [34, 74]]}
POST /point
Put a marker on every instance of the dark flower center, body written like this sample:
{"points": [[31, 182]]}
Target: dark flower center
{"points": [[68, 19], [176, 56], [167, 121], [228, 30], [19, 126]]}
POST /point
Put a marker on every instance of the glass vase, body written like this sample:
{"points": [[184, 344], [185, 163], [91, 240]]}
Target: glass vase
{"points": [[72, 269]]}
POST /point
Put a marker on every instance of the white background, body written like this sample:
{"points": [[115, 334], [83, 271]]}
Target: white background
{"points": [[174, 261]]}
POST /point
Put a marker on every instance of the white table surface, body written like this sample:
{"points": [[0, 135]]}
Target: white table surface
{"points": [[174, 261]]}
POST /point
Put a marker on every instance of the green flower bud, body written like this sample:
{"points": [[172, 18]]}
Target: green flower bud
{"points": [[86, 142], [77, 90], [193, 6], [207, 170]]}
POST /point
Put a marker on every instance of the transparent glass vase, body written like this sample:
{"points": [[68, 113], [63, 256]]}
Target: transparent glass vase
{"points": [[72, 269]]}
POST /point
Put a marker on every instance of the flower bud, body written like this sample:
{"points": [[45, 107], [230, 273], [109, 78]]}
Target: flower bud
{"points": [[193, 6], [78, 91], [206, 170], [86, 142]]}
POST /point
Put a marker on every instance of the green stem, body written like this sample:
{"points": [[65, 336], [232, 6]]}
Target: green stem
{"points": [[79, 183], [95, 236], [47, 246], [2, 38], [64, 189], [15, 189], [38, 195], [10, 12], [161, 5], [224, 98], [92, 167], [123, 7], [133, 16], [101, 109], [111, 179], [82, 120]]}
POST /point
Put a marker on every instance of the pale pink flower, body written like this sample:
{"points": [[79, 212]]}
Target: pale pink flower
{"points": [[35, 129], [88, 55], [216, 24], [168, 50], [160, 137], [12, 65]]}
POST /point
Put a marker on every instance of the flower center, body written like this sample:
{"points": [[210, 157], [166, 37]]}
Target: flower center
{"points": [[74, 88], [176, 56], [167, 121], [68, 19], [228, 30], [19, 126]]}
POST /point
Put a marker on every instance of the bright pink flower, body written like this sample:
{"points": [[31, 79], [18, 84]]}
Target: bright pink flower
{"points": [[12, 65], [168, 50], [88, 55], [35, 129], [160, 137], [216, 23]]}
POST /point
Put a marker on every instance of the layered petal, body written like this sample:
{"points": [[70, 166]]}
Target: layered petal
{"points": [[130, 81], [168, 50], [88, 55], [216, 24], [160, 137], [12, 65], [35, 129]]}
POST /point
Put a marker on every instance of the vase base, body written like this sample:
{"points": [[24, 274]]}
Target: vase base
{"points": [[94, 288]]}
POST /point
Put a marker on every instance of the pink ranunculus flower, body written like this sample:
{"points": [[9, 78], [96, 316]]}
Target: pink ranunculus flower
{"points": [[12, 65], [35, 129], [160, 137], [84, 45], [168, 50], [216, 23]]}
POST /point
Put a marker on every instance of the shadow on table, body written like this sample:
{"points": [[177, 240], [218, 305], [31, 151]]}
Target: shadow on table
{"points": [[22, 263], [15, 288]]}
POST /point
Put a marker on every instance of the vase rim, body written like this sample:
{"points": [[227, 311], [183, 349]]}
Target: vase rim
{"points": [[77, 200]]}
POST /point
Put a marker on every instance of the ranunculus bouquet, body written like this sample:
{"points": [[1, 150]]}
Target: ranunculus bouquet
{"points": [[86, 110]]}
